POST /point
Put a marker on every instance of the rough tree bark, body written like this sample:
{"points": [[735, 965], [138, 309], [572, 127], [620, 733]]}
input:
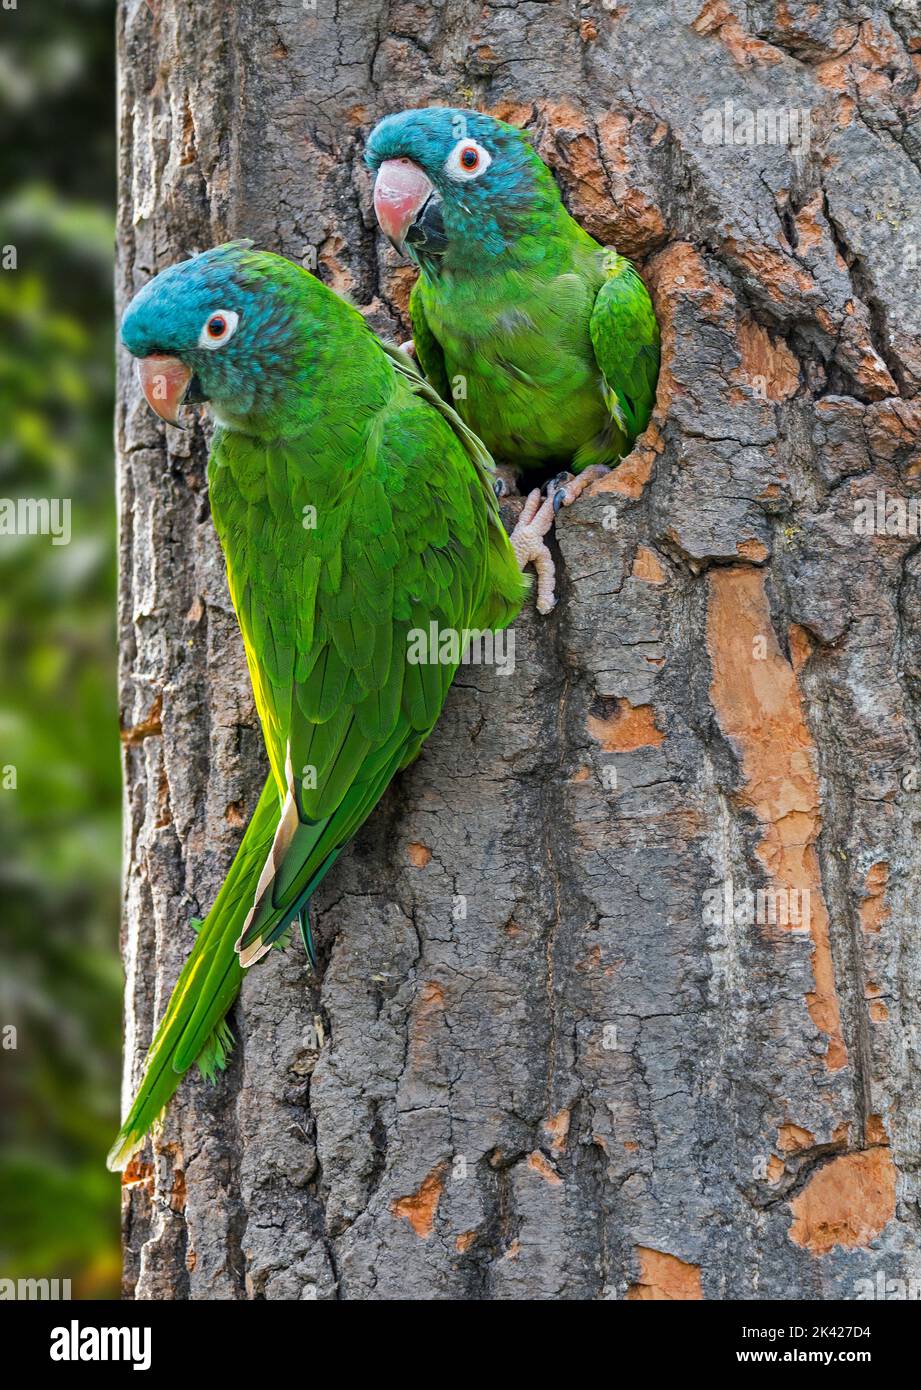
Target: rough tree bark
{"points": [[589, 1085]]}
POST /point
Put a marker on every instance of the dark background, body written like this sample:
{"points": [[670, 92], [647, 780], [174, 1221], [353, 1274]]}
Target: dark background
{"points": [[59, 826]]}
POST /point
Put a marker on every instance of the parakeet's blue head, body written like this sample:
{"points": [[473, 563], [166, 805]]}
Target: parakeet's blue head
{"points": [[227, 326], [455, 185]]}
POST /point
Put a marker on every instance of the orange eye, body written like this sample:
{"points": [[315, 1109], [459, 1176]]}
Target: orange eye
{"points": [[217, 328], [467, 160]]}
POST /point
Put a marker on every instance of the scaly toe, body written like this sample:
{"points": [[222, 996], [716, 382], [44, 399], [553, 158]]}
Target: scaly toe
{"points": [[527, 541]]}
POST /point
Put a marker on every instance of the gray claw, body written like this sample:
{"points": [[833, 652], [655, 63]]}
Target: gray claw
{"points": [[556, 483]]}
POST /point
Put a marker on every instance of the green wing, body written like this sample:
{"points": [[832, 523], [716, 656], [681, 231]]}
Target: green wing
{"points": [[406, 537], [429, 353], [625, 337], [507, 586]]}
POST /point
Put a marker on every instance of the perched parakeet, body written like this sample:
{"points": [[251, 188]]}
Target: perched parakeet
{"points": [[545, 341], [354, 508]]}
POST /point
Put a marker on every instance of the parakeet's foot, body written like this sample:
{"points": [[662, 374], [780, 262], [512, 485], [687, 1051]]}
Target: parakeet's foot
{"points": [[527, 540], [565, 488], [409, 347]]}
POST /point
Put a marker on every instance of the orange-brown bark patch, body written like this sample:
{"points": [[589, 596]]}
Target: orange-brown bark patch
{"points": [[777, 272], [418, 855], [875, 910], [801, 646], [177, 1197], [793, 1139], [809, 230], [664, 1278], [516, 113], [426, 1015], [557, 1130], [545, 1169], [400, 280], [630, 476], [717, 18], [680, 270], [419, 1207], [760, 710], [768, 359], [861, 65], [638, 224], [876, 1130], [848, 1202], [648, 567], [753, 550], [629, 727], [139, 1174], [151, 725], [338, 275], [431, 1000]]}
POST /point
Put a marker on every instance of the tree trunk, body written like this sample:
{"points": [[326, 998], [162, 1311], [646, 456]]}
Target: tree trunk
{"points": [[619, 988]]}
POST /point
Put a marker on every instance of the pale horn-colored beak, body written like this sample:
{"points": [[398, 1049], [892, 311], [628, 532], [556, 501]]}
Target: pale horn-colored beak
{"points": [[164, 381], [400, 190]]}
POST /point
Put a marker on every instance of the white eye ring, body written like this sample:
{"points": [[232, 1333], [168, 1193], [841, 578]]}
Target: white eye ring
{"points": [[209, 339], [454, 165]]}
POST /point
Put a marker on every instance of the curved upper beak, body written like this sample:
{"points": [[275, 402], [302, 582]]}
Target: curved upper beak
{"points": [[400, 190], [165, 383]]}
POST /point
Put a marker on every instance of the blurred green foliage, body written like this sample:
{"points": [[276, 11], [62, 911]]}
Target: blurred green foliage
{"points": [[59, 823]]}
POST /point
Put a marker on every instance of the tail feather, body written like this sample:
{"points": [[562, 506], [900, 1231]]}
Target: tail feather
{"points": [[206, 988], [277, 868]]}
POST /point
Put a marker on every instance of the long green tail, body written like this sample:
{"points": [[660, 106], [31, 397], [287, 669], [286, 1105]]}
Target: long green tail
{"points": [[208, 985], [193, 1027]]}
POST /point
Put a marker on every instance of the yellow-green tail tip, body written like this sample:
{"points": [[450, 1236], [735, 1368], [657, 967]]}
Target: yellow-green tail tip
{"points": [[126, 1145]]}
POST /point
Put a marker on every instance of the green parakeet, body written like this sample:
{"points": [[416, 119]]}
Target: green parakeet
{"points": [[354, 509], [545, 341]]}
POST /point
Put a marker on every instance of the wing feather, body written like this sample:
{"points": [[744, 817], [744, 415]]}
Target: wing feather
{"points": [[403, 536]]}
